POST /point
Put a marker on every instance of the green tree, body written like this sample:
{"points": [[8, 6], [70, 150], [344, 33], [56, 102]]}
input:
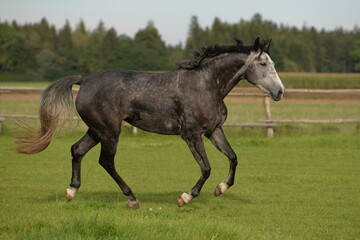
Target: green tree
{"points": [[65, 42], [355, 55], [65, 50], [48, 67], [46, 33], [150, 49], [83, 51], [14, 56], [96, 39], [108, 49], [42, 50], [80, 37], [195, 37]]}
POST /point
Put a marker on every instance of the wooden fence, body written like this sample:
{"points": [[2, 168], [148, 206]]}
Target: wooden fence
{"points": [[268, 123]]}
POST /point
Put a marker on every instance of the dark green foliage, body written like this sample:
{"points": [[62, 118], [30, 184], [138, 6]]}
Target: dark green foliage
{"points": [[43, 52], [39, 51], [355, 54], [293, 49]]}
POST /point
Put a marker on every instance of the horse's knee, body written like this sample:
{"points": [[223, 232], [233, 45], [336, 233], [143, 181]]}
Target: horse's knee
{"points": [[77, 151], [74, 152]]}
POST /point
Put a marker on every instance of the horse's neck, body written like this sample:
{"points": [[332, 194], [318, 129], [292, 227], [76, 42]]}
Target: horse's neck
{"points": [[226, 73]]}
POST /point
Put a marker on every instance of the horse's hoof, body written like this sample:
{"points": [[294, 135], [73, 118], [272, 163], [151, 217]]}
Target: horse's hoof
{"points": [[181, 201], [220, 189], [133, 204], [70, 193], [184, 199]]}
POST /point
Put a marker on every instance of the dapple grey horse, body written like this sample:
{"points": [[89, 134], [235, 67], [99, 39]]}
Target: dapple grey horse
{"points": [[188, 101]]}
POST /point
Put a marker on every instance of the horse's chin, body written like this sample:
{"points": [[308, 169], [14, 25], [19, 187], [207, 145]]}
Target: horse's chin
{"points": [[275, 96]]}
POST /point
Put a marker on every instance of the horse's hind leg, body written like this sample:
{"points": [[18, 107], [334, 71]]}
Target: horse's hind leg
{"points": [[108, 151], [219, 140], [78, 151]]}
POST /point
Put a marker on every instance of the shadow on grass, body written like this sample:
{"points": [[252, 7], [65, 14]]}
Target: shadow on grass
{"points": [[166, 197]]}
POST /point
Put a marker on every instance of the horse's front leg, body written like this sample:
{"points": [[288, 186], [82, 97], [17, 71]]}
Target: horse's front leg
{"points": [[197, 148], [219, 140]]}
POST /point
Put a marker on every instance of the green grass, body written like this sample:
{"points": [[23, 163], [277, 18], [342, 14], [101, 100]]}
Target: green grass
{"points": [[317, 80], [302, 184], [321, 80], [304, 187]]}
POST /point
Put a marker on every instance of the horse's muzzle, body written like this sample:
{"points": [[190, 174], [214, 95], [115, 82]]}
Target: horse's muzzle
{"points": [[278, 96]]}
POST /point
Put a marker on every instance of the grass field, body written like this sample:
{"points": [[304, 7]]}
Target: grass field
{"points": [[304, 187], [321, 80], [302, 184], [317, 80]]}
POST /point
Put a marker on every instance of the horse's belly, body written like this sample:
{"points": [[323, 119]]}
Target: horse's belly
{"points": [[167, 126]]}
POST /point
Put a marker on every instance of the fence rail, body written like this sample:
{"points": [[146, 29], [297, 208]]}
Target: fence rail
{"points": [[4, 90], [21, 116], [312, 121], [245, 93], [268, 123]]}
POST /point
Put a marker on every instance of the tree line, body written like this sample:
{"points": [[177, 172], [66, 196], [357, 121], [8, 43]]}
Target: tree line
{"points": [[41, 50]]}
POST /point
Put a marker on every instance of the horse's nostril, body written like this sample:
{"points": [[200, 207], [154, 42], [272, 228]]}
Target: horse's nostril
{"points": [[280, 93]]}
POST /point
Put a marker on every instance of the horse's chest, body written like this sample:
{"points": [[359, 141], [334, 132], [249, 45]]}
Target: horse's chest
{"points": [[205, 115]]}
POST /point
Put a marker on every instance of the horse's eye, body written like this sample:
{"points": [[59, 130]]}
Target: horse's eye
{"points": [[263, 64]]}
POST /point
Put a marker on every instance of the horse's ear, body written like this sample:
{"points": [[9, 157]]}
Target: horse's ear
{"points": [[267, 46], [238, 42], [256, 44]]}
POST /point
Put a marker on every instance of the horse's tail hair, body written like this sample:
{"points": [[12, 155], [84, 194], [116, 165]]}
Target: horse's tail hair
{"points": [[56, 104]]}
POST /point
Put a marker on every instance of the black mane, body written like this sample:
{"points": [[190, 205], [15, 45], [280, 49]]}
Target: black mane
{"points": [[212, 51]]}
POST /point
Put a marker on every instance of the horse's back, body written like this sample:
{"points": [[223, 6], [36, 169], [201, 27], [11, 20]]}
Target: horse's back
{"points": [[137, 97]]}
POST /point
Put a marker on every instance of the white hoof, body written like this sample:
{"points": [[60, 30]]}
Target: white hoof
{"points": [[184, 199], [220, 189], [133, 204], [70, 193]]}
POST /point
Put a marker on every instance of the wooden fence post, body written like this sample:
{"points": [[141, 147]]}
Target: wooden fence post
{"points": [[1, 120], [269, 130]]}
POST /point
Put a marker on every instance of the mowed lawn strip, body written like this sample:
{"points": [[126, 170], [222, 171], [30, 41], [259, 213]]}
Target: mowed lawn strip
{"points": [[289, 187]]}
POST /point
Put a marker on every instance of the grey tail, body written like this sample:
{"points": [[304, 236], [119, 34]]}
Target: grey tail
{"points": [[57, 102]]}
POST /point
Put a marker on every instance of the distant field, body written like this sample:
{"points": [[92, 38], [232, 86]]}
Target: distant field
{"points": [[240, 109], [290, 80], [317, 80], [21, 78], [321, 80]]}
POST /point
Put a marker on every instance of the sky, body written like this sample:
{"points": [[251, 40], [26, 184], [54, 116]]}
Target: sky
{"points": [[172, 18]]}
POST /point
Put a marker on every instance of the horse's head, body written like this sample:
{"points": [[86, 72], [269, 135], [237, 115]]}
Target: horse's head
{"points": [[261, 71]]}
